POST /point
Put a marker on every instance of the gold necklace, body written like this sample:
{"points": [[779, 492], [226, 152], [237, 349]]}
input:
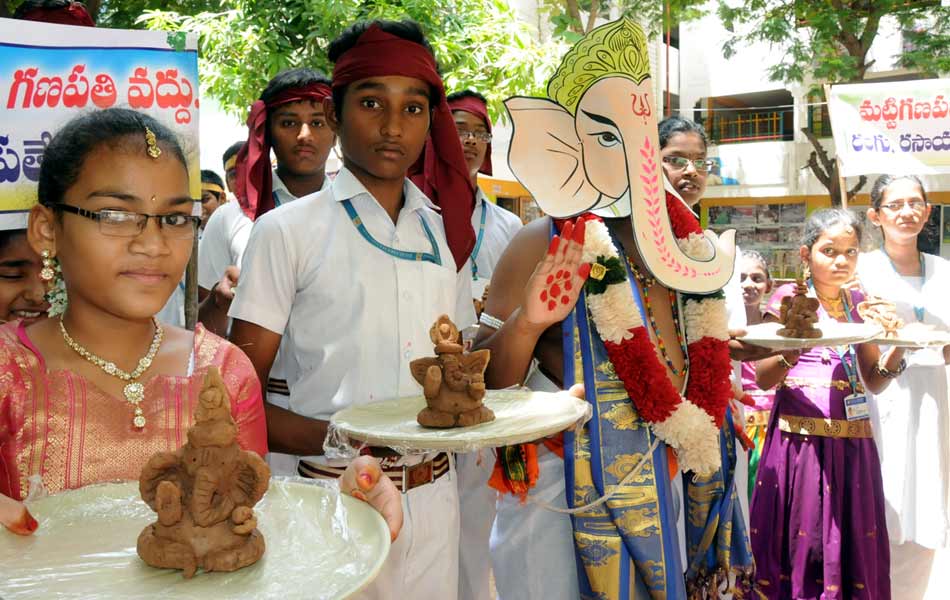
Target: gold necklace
{"points": [[134, 391], [833, 306]]}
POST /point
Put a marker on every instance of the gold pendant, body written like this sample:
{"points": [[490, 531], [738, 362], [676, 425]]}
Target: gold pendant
{"points": [[134, 394]]}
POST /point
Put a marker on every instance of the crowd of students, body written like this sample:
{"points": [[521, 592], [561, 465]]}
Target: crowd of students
{"points": [[316, 293]]}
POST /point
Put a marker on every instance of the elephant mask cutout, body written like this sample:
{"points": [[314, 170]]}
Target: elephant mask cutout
{"points": [[592, 145]]}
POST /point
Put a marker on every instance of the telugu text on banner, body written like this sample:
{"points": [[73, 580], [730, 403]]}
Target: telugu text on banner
{"points": [[51, 73], [900, 127]]}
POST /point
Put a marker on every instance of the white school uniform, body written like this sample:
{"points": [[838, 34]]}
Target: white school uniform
{"points": [[532, 548], [222, 245], [353, 316], [476, 498]]}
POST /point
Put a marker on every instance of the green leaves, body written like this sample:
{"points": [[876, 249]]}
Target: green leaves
{"points": [[604, 272], [480, 44], [830, 41]]}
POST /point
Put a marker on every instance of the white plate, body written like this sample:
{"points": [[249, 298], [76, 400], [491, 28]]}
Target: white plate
{"points": [[520, 416], [833, 333], [912, 336], [320, 544]]}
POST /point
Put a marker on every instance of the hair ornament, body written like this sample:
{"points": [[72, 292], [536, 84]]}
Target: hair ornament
{"points": [[152, 150]]}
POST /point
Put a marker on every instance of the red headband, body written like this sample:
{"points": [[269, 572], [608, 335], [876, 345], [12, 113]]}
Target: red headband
{"points": [[254, 180], [473, 105], [440, 172], [74, 14]]}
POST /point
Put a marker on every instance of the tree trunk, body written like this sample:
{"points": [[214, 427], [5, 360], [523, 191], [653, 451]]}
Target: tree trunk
{"points": [[825, 169]]}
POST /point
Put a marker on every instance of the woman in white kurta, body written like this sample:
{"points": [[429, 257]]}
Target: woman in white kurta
{"points": [[913, 434]]}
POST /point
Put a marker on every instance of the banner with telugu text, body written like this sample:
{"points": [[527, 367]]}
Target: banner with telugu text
{"points": [[51, 73], [898, 127]]}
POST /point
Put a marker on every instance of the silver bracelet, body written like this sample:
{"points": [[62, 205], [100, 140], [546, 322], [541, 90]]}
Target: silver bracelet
{"points": [[490, 321]]}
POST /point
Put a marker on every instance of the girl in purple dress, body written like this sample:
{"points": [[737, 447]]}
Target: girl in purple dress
{"points": [[817, 514]]}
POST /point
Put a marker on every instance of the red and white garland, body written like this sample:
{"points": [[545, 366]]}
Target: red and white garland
{"points": [[689, 424]]}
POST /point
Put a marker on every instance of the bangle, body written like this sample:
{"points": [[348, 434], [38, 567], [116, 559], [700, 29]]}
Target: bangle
{"points": [[784, 362], [490, 321], [887, 373]]}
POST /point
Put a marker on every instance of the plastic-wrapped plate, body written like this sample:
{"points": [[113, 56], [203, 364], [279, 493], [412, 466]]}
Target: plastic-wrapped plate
{"points": [[833, 333], [520, 416], [320, 544], [915, 335]]}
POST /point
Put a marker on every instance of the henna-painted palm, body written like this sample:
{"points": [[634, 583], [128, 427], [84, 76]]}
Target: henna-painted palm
{"points": [[553, 289]]}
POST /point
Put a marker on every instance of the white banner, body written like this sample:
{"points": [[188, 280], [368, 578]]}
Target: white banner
{"points": [[900, 127], [51, 73]]}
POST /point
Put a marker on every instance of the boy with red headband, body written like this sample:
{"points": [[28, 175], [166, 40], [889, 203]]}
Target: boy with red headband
{"points": [[494, 228], [352, 278], [289, 119]]}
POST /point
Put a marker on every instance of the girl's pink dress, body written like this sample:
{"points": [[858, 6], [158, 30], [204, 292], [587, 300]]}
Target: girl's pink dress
{"points": [[62, 427]]}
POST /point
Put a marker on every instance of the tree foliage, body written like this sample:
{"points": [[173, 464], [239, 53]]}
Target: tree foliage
{"points": [[480, 44], [571, 19], [828, 41]]}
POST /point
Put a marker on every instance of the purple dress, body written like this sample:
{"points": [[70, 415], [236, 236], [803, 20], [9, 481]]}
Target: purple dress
{"points": [[817, 513]]}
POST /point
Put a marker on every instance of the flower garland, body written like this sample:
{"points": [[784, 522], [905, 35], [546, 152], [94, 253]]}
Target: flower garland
{"points": [[689, 424]]}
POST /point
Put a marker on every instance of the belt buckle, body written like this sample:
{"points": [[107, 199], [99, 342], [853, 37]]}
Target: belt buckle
{"points": [[414, 476]]}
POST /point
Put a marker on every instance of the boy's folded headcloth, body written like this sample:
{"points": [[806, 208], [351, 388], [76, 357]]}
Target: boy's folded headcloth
{"points": [[254, 179], [73, 13], [475, 106], [440, 172]]}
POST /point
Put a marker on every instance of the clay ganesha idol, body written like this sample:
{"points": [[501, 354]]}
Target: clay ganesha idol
{"points": [[203, 494], [453, 381], [799, 313]]}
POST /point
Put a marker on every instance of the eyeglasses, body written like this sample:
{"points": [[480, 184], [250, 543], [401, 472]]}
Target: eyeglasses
{"points": [[680, 164], [120, 223], [480, 136], [915, 205]]}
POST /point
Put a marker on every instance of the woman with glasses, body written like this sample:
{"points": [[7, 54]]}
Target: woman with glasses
{"points": [[91, 393], [913, 435], [683, 151]]}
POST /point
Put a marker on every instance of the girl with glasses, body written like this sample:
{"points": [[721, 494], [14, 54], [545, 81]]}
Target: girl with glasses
{"points": [[92, 393], [912, 432]]}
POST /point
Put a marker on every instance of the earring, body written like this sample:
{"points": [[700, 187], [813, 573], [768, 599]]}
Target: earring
{"points": [[52, 275], [48, 272], [806, 271]]}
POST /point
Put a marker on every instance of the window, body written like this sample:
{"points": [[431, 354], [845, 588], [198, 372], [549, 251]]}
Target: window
{"points": [[755, 117]]}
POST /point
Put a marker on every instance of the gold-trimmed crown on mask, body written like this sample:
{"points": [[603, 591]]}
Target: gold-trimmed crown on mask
{"points": [[617, 48]]}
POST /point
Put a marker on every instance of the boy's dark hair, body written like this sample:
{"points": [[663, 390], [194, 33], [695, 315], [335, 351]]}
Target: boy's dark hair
{"points": [[670, 126], [407, 29], [209, 176], [824, 219], [67, 151], [292, 78], [231, 151], [465, 94], [31, 5]]}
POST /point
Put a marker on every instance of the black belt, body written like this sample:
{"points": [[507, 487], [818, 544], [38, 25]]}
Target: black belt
{"points": [[278, 386]]}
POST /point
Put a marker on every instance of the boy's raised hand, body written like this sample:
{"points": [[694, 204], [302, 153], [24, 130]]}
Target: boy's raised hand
{"points": [[553, 289], [364, 479]]}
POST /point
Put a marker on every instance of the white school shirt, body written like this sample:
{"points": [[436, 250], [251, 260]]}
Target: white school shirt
{"points": [[226, 234], [501, 226], [352, 316]]}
